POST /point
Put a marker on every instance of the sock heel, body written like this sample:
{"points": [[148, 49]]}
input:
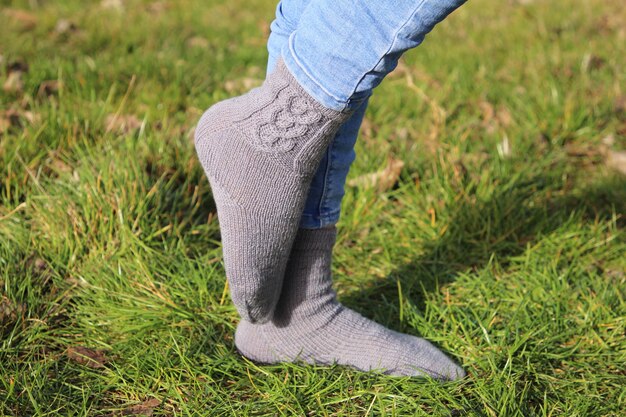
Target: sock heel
{"points": [[251, 344]]}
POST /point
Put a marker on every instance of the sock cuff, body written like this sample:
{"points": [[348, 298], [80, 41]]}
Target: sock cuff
{"points": [[282, 77], [315, 239]]}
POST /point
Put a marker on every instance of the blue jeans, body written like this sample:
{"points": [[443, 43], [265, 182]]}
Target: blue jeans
{"points": [[339, 51]]}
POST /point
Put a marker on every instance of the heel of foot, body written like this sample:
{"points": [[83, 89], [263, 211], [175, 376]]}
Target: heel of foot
{"points": [[218, 117], [252, 344]]}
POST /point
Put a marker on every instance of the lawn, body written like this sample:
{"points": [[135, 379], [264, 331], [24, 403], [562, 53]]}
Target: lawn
{"points": [[501, 239]]}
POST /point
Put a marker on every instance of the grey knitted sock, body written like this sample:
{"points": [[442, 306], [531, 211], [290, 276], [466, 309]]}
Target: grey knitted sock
{"points": [[309, 324], [260, 151]]}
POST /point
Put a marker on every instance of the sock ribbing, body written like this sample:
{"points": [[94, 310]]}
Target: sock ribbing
{"points": [[310, 326]]}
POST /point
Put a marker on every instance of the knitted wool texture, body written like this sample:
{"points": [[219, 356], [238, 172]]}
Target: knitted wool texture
{"points": [[310, 326], [259, 152]]}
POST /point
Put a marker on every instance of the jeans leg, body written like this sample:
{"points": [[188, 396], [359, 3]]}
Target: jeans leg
{"points": [[342, 49], [323, 204], [288, 13]]}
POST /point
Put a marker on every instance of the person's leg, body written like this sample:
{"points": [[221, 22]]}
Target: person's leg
{"points": [[323, 203], [333, 52], [288, 13], [309, 324], [260, 150], [342, 49]]}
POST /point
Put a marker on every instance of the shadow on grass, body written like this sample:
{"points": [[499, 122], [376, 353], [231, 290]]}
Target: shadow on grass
{"points": [[183, 202], [501, 227]]}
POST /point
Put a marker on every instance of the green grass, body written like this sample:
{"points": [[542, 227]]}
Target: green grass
{"points": [[512, 262]]}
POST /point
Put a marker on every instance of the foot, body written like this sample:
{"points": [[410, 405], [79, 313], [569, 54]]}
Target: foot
{"points": [[310, 326], [259, 152]]}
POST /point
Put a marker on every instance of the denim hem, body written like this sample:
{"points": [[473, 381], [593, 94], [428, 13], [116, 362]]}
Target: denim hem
{"points": [[309, 221], [313, 87]]}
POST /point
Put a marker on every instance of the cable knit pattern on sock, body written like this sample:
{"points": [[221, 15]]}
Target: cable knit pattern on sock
{"points": [[259, 152], [309, 325]]}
